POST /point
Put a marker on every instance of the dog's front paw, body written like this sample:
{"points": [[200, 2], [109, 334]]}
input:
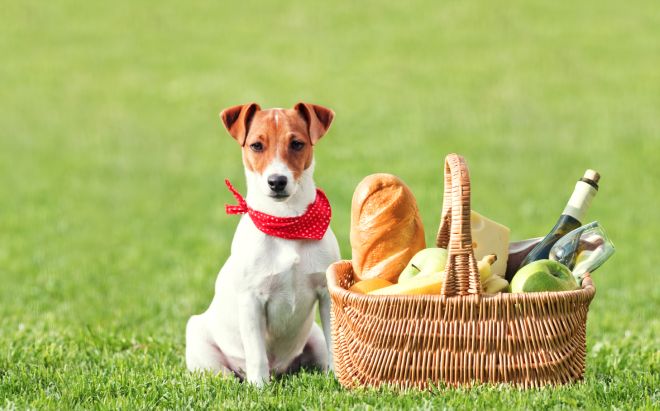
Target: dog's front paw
{"points": [[331, 363], [330, 369], [258, 381], [258, 375]]}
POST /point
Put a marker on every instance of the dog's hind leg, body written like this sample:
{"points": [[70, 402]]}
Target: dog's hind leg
{"points": [[202, 354], [314, 355]]}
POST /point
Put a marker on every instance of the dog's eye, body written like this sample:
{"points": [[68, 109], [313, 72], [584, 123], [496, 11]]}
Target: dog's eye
{"points": [[258, 147], [297, 145]]}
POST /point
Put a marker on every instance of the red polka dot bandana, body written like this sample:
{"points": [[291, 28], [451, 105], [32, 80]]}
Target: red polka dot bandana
{"points": [[311, 225]]}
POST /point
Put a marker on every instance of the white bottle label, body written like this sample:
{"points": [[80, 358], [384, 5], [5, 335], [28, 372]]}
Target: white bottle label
{"points": [[580, 201]]}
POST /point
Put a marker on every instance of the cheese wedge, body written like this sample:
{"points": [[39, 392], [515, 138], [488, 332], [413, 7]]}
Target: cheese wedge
{"points": [[489, 237]]}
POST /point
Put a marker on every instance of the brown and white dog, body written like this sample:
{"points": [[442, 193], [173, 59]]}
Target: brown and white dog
{"points": [[261, 320]]}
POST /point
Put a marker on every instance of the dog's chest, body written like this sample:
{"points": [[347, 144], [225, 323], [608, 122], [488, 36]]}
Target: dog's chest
{"points": [[288, 300], [284, 274]]}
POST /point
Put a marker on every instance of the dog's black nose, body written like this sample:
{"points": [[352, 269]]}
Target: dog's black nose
{"points": [[277, 182]]}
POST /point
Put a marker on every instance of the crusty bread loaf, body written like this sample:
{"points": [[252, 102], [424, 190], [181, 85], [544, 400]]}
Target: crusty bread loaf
{"points": [[386, 229]]}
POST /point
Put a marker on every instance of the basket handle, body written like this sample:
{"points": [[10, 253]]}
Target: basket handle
{"points": [[461, 272]]}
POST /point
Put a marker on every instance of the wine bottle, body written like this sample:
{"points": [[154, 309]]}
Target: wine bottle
{"points": [[572, 217]]}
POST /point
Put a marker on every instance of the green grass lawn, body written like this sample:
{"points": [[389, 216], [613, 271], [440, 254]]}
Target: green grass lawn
{"points": [[112, 158]]}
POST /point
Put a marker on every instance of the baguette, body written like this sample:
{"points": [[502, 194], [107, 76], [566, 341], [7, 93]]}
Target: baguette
{"points": [[386, 229]]}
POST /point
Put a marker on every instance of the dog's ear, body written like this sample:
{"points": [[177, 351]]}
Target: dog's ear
{"points": [[318, 119], [237, 120]]}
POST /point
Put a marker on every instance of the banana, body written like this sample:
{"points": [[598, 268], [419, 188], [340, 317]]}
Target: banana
{"points": [[484, 265], [494, 284], [490, 283], [425, 284]]}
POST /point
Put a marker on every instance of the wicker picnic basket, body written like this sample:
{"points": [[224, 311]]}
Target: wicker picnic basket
{"points": [[460, 336]]}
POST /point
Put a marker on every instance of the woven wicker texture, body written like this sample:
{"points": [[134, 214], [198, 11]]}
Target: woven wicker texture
{"points": [[460, 336]]}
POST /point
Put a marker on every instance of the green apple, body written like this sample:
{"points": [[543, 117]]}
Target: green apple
{"points": [[425, 262], [543, 275]]}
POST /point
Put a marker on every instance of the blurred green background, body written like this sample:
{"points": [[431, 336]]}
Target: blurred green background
{"points": [[112, 158]]}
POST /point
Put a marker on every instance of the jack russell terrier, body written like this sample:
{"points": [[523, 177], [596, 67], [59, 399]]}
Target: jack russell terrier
{"points": [[261, 320]]}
